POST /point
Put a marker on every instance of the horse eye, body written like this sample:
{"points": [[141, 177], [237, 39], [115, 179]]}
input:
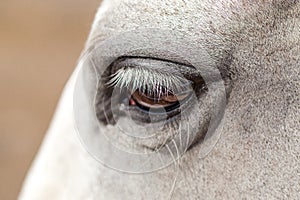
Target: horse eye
{"points": [[147, 90]]}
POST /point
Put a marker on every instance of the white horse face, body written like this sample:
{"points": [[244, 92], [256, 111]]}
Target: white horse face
{"points": [[250, 47]]}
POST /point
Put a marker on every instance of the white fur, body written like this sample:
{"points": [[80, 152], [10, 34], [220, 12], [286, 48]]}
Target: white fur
{"points": [[258, 154]]}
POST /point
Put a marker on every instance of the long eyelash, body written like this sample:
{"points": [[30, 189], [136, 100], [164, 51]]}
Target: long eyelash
{"points": [[149, 81]]}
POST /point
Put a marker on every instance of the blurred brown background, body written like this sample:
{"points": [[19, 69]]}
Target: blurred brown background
{"points": [[40, 42]]}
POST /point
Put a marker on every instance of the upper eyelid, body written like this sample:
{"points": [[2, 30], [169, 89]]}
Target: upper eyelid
{"points": [[141, 73], [154, 65], [173, 66], [135, 71], [147, 81]]}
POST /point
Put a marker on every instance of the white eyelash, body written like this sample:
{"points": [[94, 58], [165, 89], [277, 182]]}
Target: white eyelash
{"points": [[149, 81]]}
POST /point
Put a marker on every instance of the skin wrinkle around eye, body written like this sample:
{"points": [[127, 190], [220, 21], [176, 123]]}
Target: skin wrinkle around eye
{"points": [[115, 47], [114, 67], [134, 44]]}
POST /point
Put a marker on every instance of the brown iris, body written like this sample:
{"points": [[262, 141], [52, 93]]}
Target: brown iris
{"points": [[154, 101]]}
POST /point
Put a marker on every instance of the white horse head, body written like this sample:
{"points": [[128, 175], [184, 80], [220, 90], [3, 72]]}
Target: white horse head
{"points": [[230, 69]]}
